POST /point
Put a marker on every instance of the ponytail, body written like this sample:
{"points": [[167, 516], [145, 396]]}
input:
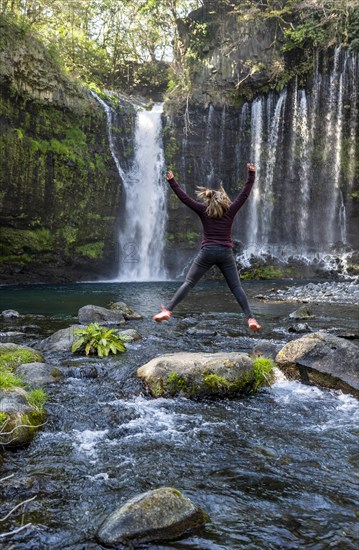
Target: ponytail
{"points": [[217, 202]]}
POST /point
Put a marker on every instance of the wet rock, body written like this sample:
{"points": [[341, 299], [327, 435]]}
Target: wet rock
{"points": [[61, 340], [265, 349], [97, 314], [202, 329], [19, 419], [38, 374], [344, 292], [11, 334], [83, 372], [203, 374], [131, 333], [302, 313], [161, 514], [299, 328], [10, 313], [323, 359], [128, 313]]}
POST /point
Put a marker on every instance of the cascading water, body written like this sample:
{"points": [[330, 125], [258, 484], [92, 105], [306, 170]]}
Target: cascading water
{"points": [[298, 205], [141, 239], [142, 236]]}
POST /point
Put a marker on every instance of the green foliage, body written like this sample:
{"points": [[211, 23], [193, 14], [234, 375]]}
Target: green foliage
{"points": [[3, 418], [37, 398], [8, 380], [263, 372], [267, 272], [96, 339], [11, 358], [91, 250]]}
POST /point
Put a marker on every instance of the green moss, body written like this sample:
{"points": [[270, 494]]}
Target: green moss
{"points": [[216, 383], [175, 383], [267, 272], [3, 418], [25, 241], [91, 250], [263, 372]]}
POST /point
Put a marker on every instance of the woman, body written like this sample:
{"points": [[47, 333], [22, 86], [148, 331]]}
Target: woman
{"points": [[217, 214]]}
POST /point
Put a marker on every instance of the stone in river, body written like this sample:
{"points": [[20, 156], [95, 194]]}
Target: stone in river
{"points": [[161, 514]]}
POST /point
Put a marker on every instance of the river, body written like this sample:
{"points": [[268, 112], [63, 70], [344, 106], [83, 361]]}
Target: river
{"points": [[275, 470]]}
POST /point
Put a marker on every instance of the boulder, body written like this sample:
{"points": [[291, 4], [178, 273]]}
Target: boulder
{"points": [[128, 313], [38, 374], [131, 333], [10, 313], [301, 313], [205, 374], [161, 514], [97, 314], [61, 340], [18, 418], [322, 359], [203, 329], [298, 328]]}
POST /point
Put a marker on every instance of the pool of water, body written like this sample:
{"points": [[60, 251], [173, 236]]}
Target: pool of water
{"points": [[275, 470]]}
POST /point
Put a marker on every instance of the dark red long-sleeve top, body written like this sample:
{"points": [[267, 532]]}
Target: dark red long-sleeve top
{"points": [[216, 230]]}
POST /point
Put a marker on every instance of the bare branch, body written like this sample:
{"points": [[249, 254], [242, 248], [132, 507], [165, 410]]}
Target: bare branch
{"points": [[16, 507], [2, 535]]}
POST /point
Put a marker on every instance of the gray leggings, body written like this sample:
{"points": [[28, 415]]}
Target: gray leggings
{"points": [[210, 255]]}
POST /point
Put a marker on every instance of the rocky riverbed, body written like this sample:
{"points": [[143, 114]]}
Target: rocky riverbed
{"points": [[107, 440], [344, 292]]}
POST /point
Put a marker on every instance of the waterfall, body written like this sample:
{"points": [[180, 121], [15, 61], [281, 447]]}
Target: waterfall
{"points": [[142, 235], [141, 238], [305, 165], [109, 116], [256, 156], [208, 142]]}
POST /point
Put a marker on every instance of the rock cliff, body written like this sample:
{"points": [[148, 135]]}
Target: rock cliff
{"points": [[59, 187]]}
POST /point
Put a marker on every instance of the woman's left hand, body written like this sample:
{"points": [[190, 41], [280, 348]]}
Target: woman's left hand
{"points": [[251, 167], [170, 175]]}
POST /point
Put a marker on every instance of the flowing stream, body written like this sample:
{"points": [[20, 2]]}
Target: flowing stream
{"points": [[275, 470]]}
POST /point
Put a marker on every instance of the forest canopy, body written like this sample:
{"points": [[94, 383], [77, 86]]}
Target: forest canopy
{"points": [[123, 43]]}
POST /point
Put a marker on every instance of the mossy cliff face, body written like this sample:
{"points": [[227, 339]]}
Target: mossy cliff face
{"points": [[59, 187]]}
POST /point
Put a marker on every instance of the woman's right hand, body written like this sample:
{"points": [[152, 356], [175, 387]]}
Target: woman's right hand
{"points": [[251, 167], [170, 175]]}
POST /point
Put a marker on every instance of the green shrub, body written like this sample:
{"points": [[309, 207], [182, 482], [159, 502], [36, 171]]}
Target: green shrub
{"points": [[96, 339]]}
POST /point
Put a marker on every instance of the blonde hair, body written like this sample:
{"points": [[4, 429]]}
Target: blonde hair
{"points": [[217, 202]]}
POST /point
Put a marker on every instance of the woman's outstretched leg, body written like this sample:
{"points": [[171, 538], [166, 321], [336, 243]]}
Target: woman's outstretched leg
{"points": [[229, 269], [201, 264]]}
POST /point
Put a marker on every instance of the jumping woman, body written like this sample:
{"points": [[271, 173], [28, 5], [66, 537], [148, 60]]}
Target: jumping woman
{"points": [[217, 214]]}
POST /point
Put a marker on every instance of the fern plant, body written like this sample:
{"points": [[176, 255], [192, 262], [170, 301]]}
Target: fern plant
{"points": [[96, 339]]}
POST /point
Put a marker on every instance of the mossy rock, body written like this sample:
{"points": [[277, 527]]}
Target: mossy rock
{"points": [[13, 355], [199, 375], [21, 415]]}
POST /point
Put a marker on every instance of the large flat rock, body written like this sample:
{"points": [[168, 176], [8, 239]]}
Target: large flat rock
{"points": [[324, 359], [205, 374]]}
